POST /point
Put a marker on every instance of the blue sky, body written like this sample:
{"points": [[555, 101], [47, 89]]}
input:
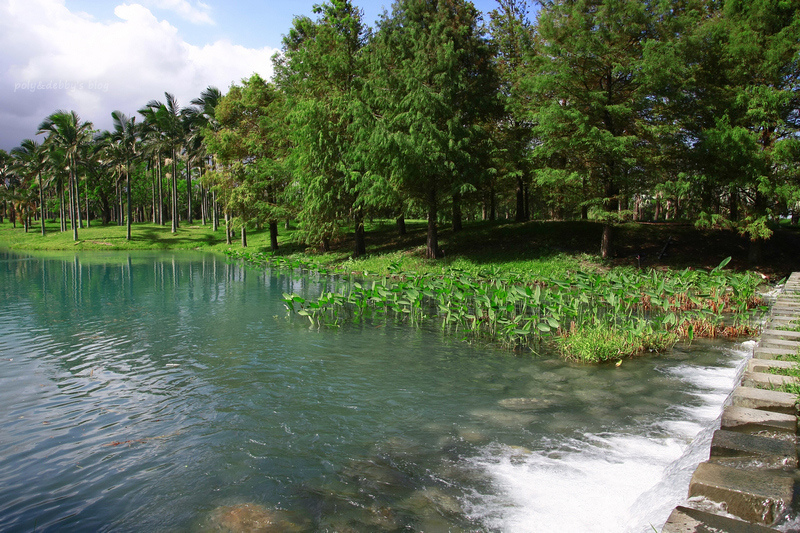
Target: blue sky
{"points": [[251, 23], [97, 56]]}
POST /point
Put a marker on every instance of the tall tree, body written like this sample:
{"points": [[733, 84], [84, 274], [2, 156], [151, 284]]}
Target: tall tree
{"points": [[512, 37], [202, 117], [734, 98], [589, 99], [167, 119], [320, 72], [432, 87], [248, 140], [125, 138], [31, 161], [65, 130]]}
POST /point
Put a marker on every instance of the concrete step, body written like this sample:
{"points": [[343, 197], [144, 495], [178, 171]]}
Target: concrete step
{"points": [[760, 497], [745, 419], [772, 353], [791, 305], [777, 342], [767, 381], [781, 333], [767, 452], [765, 400], [688, 520], [763, 365]]}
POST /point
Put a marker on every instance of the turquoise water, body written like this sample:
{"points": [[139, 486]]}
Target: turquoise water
{"points": [[171, 392]]}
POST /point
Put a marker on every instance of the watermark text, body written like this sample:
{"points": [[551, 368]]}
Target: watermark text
{"points": [[60, 85]]}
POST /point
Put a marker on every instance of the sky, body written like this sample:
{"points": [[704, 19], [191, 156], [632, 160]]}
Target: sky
{"points": [[97, 56]]}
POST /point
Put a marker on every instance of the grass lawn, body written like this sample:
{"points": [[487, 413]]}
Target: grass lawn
{"points": [[548, 248]]}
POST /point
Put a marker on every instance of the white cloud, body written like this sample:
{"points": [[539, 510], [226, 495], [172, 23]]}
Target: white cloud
{"points": [[55, 59]]}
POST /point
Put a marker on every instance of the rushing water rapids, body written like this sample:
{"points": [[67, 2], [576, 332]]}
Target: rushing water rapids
{"points": [[169, 392]]}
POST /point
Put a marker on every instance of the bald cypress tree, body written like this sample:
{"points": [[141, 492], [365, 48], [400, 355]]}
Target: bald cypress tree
{"points": [[320, 72], [432, 86], [590, 105]]}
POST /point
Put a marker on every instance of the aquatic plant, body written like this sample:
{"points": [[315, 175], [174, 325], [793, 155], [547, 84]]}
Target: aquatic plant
{"points": [[587, 317]]}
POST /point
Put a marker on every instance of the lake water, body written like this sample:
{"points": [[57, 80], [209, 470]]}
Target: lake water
{"points": [[171, 392]]}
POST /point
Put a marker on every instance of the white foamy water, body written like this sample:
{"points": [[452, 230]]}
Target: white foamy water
{"points": [[625, 481]]}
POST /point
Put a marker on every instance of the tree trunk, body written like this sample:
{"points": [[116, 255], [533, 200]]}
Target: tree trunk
{"points": [[128, 199], [755, 253], [160, 192], [273, 235], [733, 205], [227, 229], [607, 244], [360, 242], [174, 209], [520, 216], [41, 202], [73, 201], [214, 212], [78, 202], [457, 225], [189, 191], [62, 214], [492, 204], [244, 236], [151, 167], [432, 245], [401, 225]]}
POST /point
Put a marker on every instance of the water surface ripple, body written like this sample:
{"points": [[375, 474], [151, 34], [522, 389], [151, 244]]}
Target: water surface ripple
{"points": [[171, 392]]}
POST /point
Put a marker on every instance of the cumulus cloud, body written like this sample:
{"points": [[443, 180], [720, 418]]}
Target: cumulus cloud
{"points": [[56, 59]]}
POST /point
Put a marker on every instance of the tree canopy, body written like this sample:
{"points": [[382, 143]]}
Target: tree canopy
{"points": [[602, 109]]}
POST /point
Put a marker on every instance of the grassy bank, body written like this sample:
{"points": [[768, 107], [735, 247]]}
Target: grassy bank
{"points": [[546, 248]]}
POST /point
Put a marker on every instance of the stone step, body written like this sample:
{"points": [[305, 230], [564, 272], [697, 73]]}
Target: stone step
{"points": [[789, 304], [760, 497], [784, 318], [775, 342], [763, 365], [746, 419], [772, 353], [764, 380], [783, 334], [771, 453], [688, 520], [765, 400]]}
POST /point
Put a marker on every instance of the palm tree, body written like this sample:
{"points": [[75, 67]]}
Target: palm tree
{"points": [[203, 119], [30, 160], [65, 130], [167, 118], [5, 164], [124, 138]]}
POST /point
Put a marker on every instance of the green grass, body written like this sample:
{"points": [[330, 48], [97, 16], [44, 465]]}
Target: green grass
{"points": [[144, 236], [546, 248], [600, 344]]}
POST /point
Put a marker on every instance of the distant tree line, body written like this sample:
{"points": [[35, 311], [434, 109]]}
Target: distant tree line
{"points": [[609, 110]]}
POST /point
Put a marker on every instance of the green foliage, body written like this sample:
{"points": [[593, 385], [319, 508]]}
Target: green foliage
{"points": [[432, 86], [588, 317], [321, 72], [600, 344]]}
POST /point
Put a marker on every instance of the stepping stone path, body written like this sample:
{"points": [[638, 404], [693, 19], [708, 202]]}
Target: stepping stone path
{"points": [[752, 466]]}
